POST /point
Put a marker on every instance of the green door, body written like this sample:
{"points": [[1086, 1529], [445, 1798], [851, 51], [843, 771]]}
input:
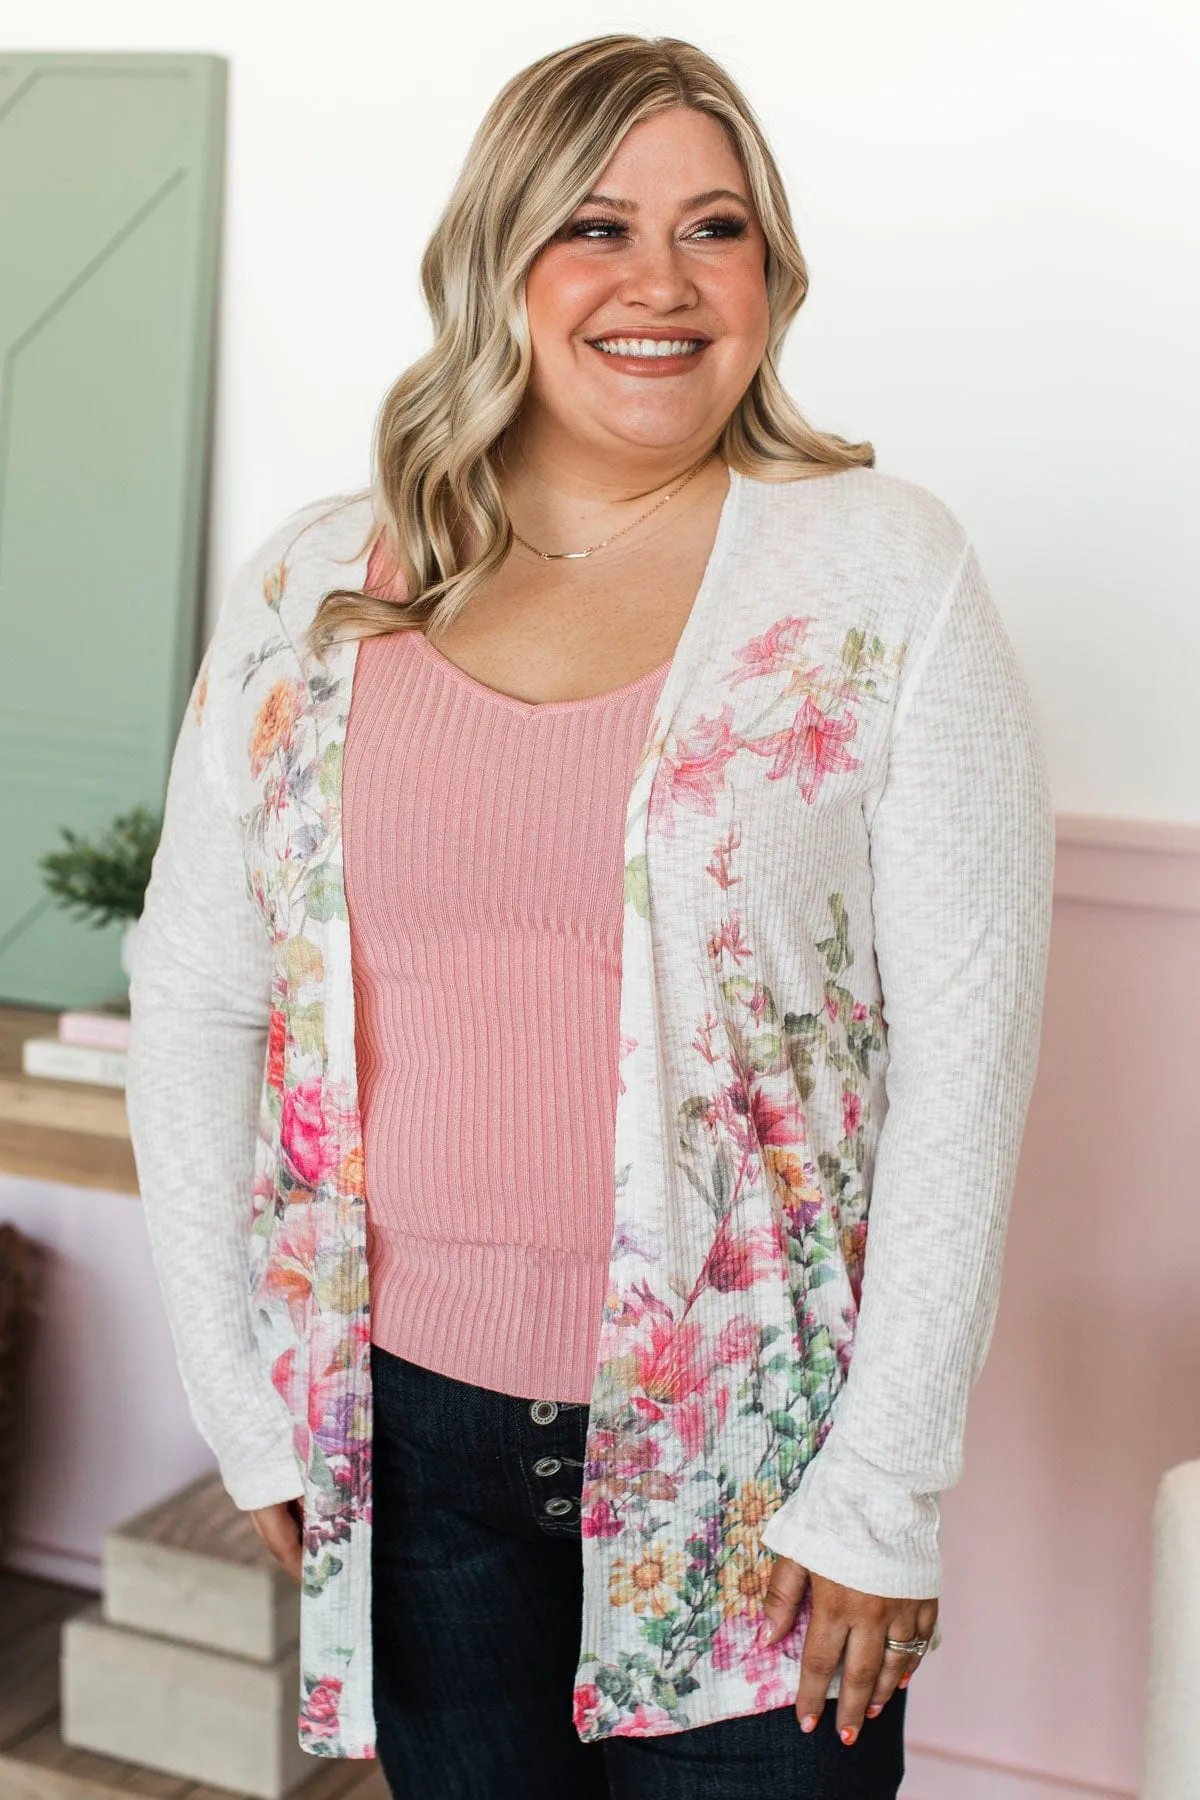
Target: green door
{"points": [[110, 188]]}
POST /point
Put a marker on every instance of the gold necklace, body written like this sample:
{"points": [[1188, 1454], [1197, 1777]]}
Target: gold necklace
{"points": [[574, 555]]}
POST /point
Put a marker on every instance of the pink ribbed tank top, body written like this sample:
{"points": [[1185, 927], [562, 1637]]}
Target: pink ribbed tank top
{"points": [[483, 845]]}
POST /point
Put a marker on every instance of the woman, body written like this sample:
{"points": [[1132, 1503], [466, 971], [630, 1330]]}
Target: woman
{"points": [[646, 814]]}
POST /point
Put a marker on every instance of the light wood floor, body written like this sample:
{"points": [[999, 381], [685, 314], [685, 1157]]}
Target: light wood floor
{"points": [[35, 1764]]}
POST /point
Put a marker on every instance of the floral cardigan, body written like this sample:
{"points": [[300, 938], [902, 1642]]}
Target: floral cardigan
{"points": [[837, 888]]}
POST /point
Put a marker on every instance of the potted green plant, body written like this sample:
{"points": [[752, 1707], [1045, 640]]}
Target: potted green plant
{"points": [[107, 880]]}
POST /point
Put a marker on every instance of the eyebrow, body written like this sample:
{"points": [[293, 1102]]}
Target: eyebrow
{"points": [[630, 206]]}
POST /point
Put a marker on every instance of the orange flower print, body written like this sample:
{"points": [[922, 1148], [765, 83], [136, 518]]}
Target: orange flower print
{"points": [[650, 1584], [274, 582], [273, 726], [200, 694], [351, 1173], [276, 1042]]}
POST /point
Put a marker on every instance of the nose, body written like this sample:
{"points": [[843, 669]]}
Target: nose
{"points": [[655, 274]]}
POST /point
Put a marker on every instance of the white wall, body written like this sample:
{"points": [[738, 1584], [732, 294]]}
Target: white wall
{"points": [[999, 211]]}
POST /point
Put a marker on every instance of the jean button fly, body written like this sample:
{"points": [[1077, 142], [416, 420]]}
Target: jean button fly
{"points": [[547, 1465], [544, 1412], [558, 1508]]}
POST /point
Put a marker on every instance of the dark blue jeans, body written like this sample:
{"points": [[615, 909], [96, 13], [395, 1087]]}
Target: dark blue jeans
{"points": [[477, 1599]]}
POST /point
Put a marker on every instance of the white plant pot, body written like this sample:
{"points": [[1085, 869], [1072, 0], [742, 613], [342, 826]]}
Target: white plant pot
{"points": [[129, 947]]}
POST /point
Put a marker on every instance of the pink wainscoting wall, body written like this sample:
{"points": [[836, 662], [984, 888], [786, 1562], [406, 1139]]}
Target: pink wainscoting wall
{"points": [[107, 1429], [1092, 1385], [1090, 1391]]}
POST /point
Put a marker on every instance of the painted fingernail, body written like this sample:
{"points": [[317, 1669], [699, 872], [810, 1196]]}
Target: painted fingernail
{"points": [[765, 1633], [905, 1679], [873, 1712], [848, 1733], [809, 1722]]}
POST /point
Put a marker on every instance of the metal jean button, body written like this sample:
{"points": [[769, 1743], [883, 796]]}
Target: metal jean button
{"points": [[547, 1465], [558, 1508], [544, 1412]]}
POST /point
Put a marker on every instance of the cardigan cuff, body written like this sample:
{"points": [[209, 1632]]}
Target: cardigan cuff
{"points": [[860, 1525], [266, 1485]]}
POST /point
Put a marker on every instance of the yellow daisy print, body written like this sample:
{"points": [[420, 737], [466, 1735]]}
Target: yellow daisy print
{"points": [[745, 1576], [651, 1584], [756, 1501]]}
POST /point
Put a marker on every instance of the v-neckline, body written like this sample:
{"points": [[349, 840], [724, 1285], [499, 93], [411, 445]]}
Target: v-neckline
{"points": [[584, 703], [667, 673]]}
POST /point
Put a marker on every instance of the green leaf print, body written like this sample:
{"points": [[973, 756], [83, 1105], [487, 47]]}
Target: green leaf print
{"points": [[324, 896], [329, 771], [307, 1024], [637, 885], [316, 1579]]}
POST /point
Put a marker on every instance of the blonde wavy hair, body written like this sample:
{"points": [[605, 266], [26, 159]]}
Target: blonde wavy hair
{"points": [[540, 148]]}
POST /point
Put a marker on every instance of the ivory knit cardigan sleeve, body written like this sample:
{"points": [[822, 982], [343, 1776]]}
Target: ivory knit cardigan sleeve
{"points": [[200, 1000], [962, 859]]}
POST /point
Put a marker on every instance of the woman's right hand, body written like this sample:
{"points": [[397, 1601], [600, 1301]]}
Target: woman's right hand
{"points": [[281, 1528]]}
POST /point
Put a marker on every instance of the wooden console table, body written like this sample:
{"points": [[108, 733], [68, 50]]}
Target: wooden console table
{"points": [[68, 1131]]}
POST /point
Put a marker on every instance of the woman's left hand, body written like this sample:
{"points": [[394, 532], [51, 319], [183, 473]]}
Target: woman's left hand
{"points": [[845, 1624]]}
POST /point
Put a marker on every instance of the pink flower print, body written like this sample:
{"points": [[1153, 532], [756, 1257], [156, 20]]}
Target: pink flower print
{"points": [[774, 1122], [722, 857], [589, 1703], [626, 1045], [703, 1040], [739, 1340], [303, 1132], [672, 1365], [284, 1380], [858, 1012], [734, 1264], [851, 1112], [729, 941], [644, 1721], [750, 1117], [773, 652], [772, 1671], [319, 1713], [691, 771], [758, 1002], [812, 747], [600, 1521]]}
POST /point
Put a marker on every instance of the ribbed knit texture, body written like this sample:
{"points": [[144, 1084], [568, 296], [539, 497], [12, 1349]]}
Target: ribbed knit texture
{"points": [[483, 843]]}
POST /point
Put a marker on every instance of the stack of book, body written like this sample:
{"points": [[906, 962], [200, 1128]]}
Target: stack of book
{"points": [[89, 1045], [189, 1661]]}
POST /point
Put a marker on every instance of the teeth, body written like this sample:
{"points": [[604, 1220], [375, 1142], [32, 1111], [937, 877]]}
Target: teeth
{"points": [[648, 346]]}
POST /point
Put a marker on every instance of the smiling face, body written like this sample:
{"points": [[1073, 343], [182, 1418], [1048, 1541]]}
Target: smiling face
{"points": [[666, 252]]}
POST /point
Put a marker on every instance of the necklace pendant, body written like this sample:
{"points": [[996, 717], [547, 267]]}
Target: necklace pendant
{"points": [[562, 555]]}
